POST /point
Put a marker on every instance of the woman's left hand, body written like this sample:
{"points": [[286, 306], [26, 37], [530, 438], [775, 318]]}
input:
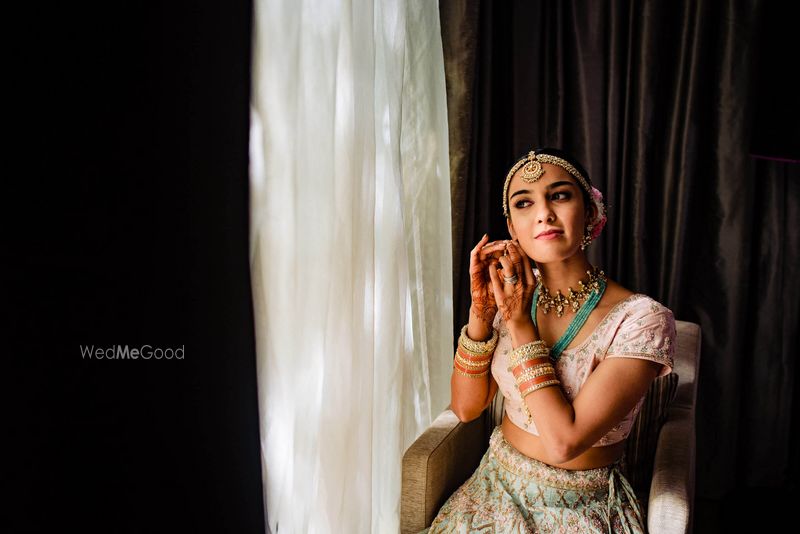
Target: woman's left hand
{"points": [[514, 298]]}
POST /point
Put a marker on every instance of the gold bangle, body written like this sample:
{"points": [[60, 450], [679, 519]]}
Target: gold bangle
{"points": [[531, 347], [478, 347], [529, 351], [469, 370], [535, 371], [466, 355], [483, 360], [472, 354], [537, 387], [538, 380], [543, 359], [459, 371], [529, 374], [514, 361], [537, 362], [472, 365]]}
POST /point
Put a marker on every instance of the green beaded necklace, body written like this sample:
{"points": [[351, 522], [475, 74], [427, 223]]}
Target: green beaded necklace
{"points": [[580, 317]]}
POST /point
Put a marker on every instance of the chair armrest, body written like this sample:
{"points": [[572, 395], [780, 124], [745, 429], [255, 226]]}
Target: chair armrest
{"points": [[436, 464], [669, 507]]}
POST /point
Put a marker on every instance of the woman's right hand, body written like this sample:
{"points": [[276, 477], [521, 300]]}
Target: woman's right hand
{"points": [[483, 306]]}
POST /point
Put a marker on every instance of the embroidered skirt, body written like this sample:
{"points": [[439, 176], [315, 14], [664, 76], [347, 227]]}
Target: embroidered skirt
{"points": [[510, 492]]}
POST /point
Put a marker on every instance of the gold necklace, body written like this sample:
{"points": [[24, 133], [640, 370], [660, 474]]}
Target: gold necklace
{"points": [[574, 299]]}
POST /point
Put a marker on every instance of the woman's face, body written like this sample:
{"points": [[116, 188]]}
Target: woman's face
{"points": [[548, 217]]}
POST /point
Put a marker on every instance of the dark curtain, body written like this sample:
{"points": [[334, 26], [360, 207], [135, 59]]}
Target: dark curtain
{"points": [[130, 147], [659, 100]]}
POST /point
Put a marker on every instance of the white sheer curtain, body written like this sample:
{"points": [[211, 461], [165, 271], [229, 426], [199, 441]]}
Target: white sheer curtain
{"points": [[350, 253]]}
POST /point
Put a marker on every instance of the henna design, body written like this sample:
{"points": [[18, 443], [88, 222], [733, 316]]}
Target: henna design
{"points": [[483, 304], [519, 302], [510, 305]]}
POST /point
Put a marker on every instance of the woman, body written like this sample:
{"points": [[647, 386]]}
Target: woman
{"points": [[572, 352]]}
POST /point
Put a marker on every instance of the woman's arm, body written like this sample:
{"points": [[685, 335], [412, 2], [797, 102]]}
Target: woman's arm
{"points": [[470, 396], [611, 392], [470, 399]]}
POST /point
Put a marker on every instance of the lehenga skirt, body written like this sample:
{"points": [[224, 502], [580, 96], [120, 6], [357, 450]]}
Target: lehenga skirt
{"points": [[511, 492]]}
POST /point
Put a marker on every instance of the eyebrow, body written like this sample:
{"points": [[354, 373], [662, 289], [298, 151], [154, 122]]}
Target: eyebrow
{"points": [[548, 188]]}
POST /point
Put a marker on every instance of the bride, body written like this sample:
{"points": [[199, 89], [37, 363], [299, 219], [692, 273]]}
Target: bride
{"points": [[572, 352]]}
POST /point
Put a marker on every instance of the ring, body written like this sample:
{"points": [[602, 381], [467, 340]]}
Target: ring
{"points": [[511, 279]]}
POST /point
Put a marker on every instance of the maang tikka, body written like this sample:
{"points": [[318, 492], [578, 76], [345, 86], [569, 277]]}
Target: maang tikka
{"points": [[532, 170]]}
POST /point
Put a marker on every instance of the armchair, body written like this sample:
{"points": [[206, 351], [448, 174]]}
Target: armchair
{"points": [[447, 453]]}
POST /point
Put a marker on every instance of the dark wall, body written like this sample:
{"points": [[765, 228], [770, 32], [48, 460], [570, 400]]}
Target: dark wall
{"points": [[776, 133], [128, 225]]}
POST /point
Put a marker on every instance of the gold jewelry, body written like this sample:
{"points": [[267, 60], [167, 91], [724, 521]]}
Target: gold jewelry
{"points": [[587, 237], [472, 365], [535, 372], [528, 351], [539, 365], [533, 170], [537, 387], [474, 356], [527, 359], [470, 375], [477, 348], [574, 299]]}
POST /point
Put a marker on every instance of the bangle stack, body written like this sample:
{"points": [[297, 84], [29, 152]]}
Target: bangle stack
{"points": [[473, 358], [532, 368]]}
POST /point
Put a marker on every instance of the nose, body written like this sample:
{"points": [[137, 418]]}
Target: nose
{"points": [[544, 212]]}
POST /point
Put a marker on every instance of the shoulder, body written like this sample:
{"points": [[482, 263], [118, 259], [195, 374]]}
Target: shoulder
{"points": [[643, 315], [647, 328], [636, 306], [643, 307], [614, 294]]}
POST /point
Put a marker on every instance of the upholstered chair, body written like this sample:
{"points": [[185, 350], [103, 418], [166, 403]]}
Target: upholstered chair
{"points": [[447, 453]]}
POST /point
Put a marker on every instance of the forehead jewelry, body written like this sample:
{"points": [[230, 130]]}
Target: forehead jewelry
{"points": [[532, 170]]}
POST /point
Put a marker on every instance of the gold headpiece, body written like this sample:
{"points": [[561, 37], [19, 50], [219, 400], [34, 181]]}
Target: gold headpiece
{"points": [[533, 170]]}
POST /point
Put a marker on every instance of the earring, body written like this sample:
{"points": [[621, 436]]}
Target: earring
{"points": [[587, 237]]}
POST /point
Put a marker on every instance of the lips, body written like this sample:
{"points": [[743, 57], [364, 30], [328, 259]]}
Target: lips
{"points": [[550, 234]]}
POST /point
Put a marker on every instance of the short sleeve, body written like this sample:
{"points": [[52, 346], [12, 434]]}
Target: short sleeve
{"points": [[647, 332]]}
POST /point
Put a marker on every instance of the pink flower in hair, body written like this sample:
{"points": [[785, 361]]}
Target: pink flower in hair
{"points": [[601, 219]]}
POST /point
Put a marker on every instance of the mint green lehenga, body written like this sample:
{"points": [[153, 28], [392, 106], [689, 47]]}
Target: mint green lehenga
{"points": [[513, 493], [510, 492]]}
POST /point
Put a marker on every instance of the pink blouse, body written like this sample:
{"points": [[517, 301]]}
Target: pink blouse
{"points": [[636, 327]]}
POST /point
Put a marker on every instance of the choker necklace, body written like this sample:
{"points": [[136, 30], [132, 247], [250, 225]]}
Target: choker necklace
{"points": [[574, 299], [590, 293]]}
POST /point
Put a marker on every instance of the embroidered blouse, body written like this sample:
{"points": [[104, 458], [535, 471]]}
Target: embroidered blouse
{"points": [[636, 327]]}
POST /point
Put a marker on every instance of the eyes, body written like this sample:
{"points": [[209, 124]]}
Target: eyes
{"points": [[562, 196]]}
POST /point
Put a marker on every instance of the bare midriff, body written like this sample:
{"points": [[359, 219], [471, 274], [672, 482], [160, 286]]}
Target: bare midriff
{"points": [[532, 446]]}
